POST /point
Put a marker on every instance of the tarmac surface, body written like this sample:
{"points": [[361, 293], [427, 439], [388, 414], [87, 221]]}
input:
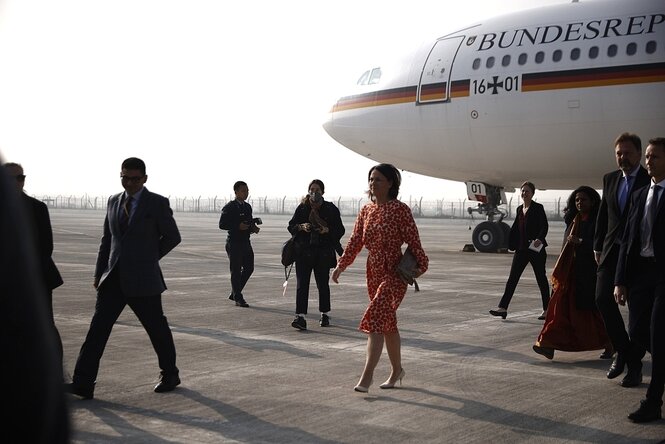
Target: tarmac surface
{"points": [[249, 377]]}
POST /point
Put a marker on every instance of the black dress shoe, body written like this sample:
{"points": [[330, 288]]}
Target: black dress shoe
{"points": [[84, 391], [241, 303], [632, 379], [503, 313], [648, 411], [167, 383], [617, 367], [607, 354], [231, 296], [325, 320]]}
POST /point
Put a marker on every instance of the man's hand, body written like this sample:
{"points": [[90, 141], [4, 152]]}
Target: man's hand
{"points": [[95, 283], [596, 255], [620, 294], [243, 226]]}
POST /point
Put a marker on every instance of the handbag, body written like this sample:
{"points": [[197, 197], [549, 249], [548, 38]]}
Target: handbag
{"points": [[289, 251], [406, 268]]}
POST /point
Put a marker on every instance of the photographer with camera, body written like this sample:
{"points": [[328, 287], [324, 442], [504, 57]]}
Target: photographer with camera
{"points": [[237, 219], [318, 228]]}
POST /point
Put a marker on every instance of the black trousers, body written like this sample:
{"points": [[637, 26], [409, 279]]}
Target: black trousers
{"points": [[520, 260], [304, 268], [241, 263], [110, 303], [56, 333], [646, 321], [609, 309]]}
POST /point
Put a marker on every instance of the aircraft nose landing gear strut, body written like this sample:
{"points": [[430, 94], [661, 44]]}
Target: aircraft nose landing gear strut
{"points": [[491, 235]]}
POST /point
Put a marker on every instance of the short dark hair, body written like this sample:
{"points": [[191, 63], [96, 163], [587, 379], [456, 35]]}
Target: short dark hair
{"points": [[629, 137], [238, 184], [134, 163], [529, 185], [392, 174], [660, 141], [13, 165], [319, 183]]}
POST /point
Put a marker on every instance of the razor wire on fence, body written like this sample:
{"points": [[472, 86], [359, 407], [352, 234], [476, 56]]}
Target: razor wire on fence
{"points": [[348, 206]]}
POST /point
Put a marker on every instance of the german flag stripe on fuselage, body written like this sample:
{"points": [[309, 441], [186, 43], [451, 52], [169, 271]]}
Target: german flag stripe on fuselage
{"points": [[542, 81], [587, 78], [406, 94]]}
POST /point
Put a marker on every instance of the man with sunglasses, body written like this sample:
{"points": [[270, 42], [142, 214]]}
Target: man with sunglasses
{"points": [[139, 229], [39, 227]]}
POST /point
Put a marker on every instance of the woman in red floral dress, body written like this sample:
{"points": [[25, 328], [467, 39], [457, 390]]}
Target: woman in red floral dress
{"points": [[383, 226]]}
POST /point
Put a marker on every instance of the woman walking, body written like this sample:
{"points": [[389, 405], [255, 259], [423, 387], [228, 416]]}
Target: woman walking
{"points": [[527, 238], [317, 227], [382, 226]]}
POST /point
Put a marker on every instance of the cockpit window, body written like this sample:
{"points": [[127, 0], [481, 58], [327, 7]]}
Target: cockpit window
{"points": [[375, 76], [363, 78], [370, 77]]}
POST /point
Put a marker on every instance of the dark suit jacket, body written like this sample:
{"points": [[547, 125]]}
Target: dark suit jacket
{"points": [[40, 228], [611, 221], [30, 365], [629, 253], [135, 255], [536, 226]]}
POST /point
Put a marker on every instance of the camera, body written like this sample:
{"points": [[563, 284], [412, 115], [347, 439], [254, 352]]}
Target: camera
{"points": [[257, 221]]}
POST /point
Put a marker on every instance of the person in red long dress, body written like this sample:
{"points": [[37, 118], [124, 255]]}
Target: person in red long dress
{"points": [[573, 322], [382, 226]]}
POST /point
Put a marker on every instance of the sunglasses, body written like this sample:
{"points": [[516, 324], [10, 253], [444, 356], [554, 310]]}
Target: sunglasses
{"points": [[131, 178], [20, 178]]}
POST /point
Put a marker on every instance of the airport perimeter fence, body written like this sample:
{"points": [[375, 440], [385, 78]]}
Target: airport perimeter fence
{"points": [[348, 206]]}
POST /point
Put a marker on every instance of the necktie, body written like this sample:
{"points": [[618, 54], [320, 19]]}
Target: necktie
{"points": [[125, 213], [623, 197], [653, 208]]}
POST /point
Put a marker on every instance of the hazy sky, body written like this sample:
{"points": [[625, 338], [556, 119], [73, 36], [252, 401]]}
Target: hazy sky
{"points": [[205, 91]]}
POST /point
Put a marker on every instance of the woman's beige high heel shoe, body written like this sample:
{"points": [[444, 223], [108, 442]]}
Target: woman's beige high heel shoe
{"points": [[361, 389], [389, 385]]}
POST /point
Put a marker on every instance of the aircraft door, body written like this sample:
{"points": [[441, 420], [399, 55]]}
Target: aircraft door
{"points": [[435, 78]]}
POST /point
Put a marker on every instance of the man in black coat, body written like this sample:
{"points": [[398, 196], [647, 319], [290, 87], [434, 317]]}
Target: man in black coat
{"points": [[618, 186], [640, 279], [39, 226], [139, 229], [236, 218], [35, 405]]}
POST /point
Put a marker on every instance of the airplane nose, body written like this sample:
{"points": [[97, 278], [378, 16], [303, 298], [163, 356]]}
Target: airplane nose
{"points": [[328, 123]]}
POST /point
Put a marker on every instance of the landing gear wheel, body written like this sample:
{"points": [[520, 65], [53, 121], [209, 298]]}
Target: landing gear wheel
{"points": [[488, 237]]}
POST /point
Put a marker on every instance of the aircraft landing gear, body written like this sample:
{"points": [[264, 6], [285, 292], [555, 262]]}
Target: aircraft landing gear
{"points": [[490, 236]]}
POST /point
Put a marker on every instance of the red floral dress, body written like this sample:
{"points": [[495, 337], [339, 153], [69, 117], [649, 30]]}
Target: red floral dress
{"points": [[383, 229]]}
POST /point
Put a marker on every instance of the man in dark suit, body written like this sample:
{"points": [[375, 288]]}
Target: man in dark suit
{"points": [[35, 405], [139, 230], [39, 226], [618, 186], [640, 279], [237, 219]]}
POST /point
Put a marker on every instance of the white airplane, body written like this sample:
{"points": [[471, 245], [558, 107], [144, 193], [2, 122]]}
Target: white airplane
{"points": [[536, 95]]}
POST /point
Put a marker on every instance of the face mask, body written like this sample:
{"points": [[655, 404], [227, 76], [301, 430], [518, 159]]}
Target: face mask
{"points": [[315, 197]]}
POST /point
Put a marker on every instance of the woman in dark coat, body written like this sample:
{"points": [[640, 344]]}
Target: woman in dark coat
{"points": [[317, 227], [573, 322], [527, 238]]}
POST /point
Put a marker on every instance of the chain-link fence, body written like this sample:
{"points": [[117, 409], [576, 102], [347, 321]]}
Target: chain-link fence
{"points": [[348, 206]]}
